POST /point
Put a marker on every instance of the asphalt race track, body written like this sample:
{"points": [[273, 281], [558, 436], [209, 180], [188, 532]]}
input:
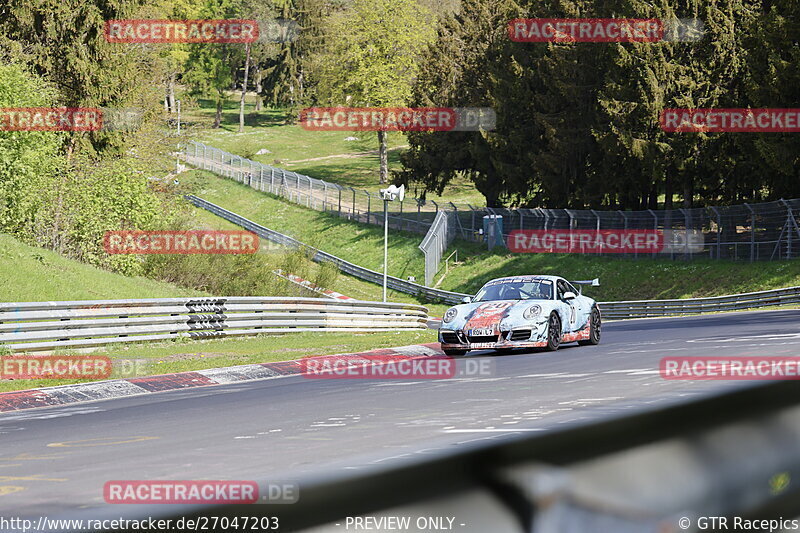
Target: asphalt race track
{"points": [[56, 460]]}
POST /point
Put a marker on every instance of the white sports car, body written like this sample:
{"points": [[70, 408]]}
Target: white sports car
{"points": [[521, 312]]}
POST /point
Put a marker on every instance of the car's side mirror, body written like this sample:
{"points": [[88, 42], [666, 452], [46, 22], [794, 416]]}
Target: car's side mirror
{"points": [[569, 295], [466, 300]]}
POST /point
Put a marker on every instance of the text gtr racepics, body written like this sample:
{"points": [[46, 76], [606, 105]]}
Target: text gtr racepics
{"points": [[521, 312]]}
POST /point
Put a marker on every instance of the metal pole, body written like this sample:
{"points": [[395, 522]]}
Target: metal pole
{"points": [[752, 232], [385, 246], [179, 116]]}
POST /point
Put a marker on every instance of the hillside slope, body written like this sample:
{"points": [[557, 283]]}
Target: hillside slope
{"points": [[30, 274], [621, 278]]}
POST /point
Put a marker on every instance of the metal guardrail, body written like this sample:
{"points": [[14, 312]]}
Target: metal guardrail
{"points": [[690, 306], [750, 232], [32, 326], [434, 245], [612, 310]]}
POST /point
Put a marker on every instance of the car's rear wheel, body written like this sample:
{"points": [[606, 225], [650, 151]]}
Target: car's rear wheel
{"points": [[454, 353], [594, 329], [553, 332]]}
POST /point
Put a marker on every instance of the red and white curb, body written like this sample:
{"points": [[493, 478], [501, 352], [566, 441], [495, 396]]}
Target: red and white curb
{"points": [[312, 287], [120, 388]]}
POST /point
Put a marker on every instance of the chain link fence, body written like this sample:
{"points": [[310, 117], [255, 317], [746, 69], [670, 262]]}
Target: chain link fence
{"points": [[747, 232]]}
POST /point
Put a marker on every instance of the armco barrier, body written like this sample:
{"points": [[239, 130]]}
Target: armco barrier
{"points": [[31, 326], [614, 310], [692, 306]]}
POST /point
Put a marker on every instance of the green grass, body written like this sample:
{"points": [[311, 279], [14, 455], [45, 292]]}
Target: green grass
{"points": [[629, 279], [30, 274], [182, 356], [621, 278], [358, 243], [292, 147]]}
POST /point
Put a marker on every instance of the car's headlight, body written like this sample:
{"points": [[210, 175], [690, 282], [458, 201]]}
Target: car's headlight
{"points": [[532, 311], [450, 315]]}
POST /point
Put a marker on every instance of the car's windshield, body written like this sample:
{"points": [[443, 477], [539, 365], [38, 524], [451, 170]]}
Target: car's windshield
{"points": [[515, 290]]}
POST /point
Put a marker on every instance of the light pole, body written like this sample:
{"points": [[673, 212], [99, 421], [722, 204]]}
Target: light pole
{"points": [[388, 195]]}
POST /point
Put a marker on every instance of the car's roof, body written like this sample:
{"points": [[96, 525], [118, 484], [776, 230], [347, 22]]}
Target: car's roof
{"points": [[527, 277]]}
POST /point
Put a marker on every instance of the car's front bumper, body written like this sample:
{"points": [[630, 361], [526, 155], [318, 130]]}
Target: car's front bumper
{"points": [[513, 338]]}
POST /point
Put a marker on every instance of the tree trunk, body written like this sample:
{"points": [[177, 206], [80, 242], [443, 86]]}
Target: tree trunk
{"points": [[688, 192], [384, 155], [668, 191], [244, 87], [171, 92], [218, 117], [257, 76]]}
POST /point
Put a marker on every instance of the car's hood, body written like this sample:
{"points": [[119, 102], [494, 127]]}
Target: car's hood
{"points": [[494, 313]]}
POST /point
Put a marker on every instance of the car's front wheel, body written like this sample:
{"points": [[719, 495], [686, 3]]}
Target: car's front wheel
{"points": [[553, 332], [594, 329]]}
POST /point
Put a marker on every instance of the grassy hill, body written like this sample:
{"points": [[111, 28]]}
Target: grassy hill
{"points": [[325, 155], [621, 278], [30, 274]]}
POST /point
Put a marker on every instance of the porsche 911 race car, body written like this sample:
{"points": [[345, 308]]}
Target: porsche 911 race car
{"points": [[521, 312]]}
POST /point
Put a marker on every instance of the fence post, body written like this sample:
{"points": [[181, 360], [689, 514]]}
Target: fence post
{"points": [[340, 200], [369, 204], [719, 229], [752, 232], [655, 224], [353, 211], [625, 227], [472, 222], [790, 223]]}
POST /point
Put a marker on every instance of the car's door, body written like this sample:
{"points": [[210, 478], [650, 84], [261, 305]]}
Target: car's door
{"points": [[582, 307], [571, 307], [567, 307]]}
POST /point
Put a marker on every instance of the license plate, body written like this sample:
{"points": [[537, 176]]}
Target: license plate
{"points": [[481, 332], [479, 345]]}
